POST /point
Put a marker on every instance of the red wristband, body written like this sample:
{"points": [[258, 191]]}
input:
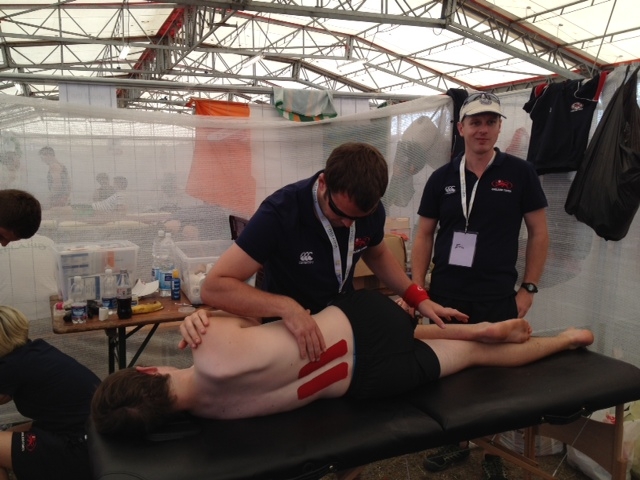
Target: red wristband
{"points": [[415, 295]]}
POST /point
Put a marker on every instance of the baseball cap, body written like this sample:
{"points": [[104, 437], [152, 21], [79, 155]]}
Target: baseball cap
{"points": [[482, 102]]}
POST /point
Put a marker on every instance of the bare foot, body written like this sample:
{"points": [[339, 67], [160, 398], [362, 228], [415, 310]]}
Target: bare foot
{"points": [[516, 330], [577, 337]]}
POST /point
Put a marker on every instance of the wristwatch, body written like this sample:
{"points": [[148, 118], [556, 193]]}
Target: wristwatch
{"points": [[530, 287]]}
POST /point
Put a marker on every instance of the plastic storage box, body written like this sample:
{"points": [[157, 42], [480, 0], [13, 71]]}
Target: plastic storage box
{"points": [[195, 259], [89, 260]]}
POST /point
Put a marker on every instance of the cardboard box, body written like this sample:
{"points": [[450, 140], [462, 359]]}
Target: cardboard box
{"points": [[400, 226], [195, 259], [90, 260], [363, 277]]}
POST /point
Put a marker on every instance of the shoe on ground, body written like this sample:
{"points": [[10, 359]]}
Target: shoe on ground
{"points": [[493, 468], [445, 457]]}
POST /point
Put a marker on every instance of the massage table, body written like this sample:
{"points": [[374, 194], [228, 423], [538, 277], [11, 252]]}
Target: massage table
{"points": [[552, 396]]}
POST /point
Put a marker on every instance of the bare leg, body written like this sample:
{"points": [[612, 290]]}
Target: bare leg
{"points": [[5, 454], [455, 355], [516, 330]]}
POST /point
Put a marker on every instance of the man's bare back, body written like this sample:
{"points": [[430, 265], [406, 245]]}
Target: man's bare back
{"points": [[267, 374]]}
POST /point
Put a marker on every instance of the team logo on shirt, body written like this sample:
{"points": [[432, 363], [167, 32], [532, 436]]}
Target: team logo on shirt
{"points": [[502, 186], [306, 258], [28, 441], [450, 189], [360, 244], [576, 107]]}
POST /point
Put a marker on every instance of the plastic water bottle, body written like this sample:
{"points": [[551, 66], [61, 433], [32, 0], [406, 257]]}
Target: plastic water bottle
{"points": [[109, 290], [78, 301], [167, 264], [175, 285], [123, 293], [155, 253]]}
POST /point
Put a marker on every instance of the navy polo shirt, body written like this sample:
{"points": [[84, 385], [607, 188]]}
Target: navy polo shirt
{"points": [[48, 386], [507, 190], [288, 239]]}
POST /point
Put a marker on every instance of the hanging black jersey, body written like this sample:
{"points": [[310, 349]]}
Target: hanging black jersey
{"points": [[562, 115]]}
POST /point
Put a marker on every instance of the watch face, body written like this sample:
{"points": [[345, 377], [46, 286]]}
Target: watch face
{"points": [[530, 287]]}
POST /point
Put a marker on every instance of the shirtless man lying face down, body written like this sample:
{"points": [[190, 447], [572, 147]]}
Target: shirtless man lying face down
{"points": [[244, 369]]}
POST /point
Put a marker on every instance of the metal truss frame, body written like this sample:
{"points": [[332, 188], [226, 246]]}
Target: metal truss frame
{"points": [[208, 48]]}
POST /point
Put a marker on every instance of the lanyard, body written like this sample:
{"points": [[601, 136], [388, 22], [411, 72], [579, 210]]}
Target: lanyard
{"points": [[337, 259], [463, 190]]}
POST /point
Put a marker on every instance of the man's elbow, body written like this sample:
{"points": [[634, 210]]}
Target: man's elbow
{"points": [[208, 295], [540, 239], [212, 290]]}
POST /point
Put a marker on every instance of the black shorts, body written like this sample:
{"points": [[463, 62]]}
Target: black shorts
{"points": [[38, 454], [388, 360]]}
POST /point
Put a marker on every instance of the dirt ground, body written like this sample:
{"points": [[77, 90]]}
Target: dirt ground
{"points": [[410, 467]]}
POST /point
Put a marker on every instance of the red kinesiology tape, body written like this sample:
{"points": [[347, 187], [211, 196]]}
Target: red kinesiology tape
{"points": [[334, 352], [324, 380]]}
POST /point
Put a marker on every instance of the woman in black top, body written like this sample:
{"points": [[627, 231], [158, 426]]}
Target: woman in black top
{"points": [[54, 391]]}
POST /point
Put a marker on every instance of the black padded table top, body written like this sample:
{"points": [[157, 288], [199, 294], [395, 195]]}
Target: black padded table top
{"points": [[340, 434], [556, 389]]}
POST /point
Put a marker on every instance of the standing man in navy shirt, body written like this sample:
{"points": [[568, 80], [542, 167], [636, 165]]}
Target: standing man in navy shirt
{"points": [[476, 204], [308, 236]]}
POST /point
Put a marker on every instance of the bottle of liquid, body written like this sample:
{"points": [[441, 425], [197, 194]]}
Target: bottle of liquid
{"points": [[123, 293], [155, 253], [78, 301], [109, 287], [167, 265], [175, 285]]}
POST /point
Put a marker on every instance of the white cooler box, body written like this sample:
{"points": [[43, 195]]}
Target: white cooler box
{"points": [[89, 260], [195, 259]]}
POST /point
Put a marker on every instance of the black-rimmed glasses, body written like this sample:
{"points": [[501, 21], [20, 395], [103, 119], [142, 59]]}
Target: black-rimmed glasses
{"points": [[334, 208]]}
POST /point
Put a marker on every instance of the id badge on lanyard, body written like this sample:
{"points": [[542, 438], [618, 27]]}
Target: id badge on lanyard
{"points": [[463, 246], [341, 276]]}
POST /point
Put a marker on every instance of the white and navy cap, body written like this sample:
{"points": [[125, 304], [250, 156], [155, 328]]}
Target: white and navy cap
{"points": [[481, 102]]}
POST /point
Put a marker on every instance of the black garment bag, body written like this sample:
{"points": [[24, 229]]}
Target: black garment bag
{"points": [[605, 193]]}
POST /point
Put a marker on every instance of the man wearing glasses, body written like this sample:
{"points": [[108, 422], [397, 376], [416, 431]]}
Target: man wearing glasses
{"points": [[308, 237], [476, 204]]}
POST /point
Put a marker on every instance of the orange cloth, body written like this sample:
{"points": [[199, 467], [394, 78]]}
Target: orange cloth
{"points": [[219, 108], [221, 168]]}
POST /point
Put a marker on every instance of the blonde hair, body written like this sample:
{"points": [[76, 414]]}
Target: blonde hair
{"points": [[14, 329]]}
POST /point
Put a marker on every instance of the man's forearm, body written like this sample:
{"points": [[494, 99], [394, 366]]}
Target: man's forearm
{"points": [[535, 259], [238, 298], [386, 268], [537, 245]]}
